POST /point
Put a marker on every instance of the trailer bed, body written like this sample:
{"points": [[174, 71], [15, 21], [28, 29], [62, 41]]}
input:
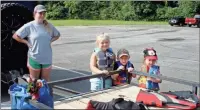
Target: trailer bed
{"points": [[80, 100], [128, 92]]}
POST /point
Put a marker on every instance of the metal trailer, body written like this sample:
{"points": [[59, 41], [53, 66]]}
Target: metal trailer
{"points": [[195, 85]]}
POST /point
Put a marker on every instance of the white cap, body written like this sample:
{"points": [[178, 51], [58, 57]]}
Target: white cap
{"points": [[39, 8]]}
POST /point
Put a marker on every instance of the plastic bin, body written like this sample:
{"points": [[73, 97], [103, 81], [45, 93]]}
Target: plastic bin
{"points": [[19, 97]]}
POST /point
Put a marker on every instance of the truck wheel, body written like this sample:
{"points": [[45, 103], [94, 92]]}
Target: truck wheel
{"points": [[4, 87], [7, 81], [198, 25], [11, 21], [14, 16], [189, 25], [181, 24], [14, 54]]}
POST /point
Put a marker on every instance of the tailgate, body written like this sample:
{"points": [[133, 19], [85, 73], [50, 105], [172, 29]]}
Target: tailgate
{"points": [[190, 20]]}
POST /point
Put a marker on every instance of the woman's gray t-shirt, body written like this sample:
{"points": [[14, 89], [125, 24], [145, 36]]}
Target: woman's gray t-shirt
{"points": [[40, 39]]}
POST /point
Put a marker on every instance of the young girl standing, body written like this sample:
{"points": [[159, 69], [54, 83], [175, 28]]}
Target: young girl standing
{"points": [[150, 59], [102, 61]]}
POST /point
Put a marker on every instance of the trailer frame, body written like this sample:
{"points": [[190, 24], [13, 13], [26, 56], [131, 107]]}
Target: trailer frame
{"points": [[195, 85]]}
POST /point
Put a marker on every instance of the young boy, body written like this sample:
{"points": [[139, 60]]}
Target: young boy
{"points": [[123, 63]]}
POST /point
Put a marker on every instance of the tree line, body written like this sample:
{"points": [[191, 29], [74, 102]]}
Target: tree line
{"points": [[121, 10]]}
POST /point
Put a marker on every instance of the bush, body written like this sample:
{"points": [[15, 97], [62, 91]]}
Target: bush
{"points": [[144, 10], [121, 10], [161, 13], [105, 14], [72, 7], [186, 8], [127, 12], [56, 10]]}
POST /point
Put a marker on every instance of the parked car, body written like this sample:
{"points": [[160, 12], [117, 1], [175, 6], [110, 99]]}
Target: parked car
{"points": [[193, 21], [179, 20]]}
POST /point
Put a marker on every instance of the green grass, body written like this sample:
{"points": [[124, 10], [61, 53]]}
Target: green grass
{"points": [[103, 22]]}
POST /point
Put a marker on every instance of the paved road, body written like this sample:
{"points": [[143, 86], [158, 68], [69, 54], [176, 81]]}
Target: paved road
{"points": [[177, 49]]}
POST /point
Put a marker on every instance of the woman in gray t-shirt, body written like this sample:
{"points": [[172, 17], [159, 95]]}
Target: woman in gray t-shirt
{"points": [[40, 34]]}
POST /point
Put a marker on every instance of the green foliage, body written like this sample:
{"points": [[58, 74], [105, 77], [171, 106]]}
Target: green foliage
{"points": [[72, 7], [121, 10], [56, 10], [186, 8], [144, 10], [197, 7]]}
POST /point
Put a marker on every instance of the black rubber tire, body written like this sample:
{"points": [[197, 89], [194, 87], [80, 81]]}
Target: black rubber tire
{"points": [[4, 88], [189, 25], [14, 54], [198, 25], [6, 77], [171, 25], [181, 24]]}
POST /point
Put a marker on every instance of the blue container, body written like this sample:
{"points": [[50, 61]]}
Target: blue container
{"points": [[19, 96], [45, 96]]}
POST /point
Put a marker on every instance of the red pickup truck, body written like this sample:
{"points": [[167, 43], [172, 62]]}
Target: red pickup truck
{"points": [[193, 21]]}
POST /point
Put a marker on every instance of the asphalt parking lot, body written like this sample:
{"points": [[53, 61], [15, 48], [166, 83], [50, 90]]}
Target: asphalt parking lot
{"points": [[177, 49]]}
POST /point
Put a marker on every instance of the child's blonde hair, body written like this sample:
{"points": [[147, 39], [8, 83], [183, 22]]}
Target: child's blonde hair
{"points": [[103, 36]]}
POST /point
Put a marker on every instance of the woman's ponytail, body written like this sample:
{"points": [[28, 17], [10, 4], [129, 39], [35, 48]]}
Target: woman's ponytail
{"points": [[47, 26]]}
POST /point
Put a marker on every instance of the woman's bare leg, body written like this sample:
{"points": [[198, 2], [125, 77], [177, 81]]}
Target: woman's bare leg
{"points": [[46, 73], [34, 74]]}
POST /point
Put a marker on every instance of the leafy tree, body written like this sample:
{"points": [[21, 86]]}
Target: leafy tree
{"points": [[56, 10], [121, 10]]}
